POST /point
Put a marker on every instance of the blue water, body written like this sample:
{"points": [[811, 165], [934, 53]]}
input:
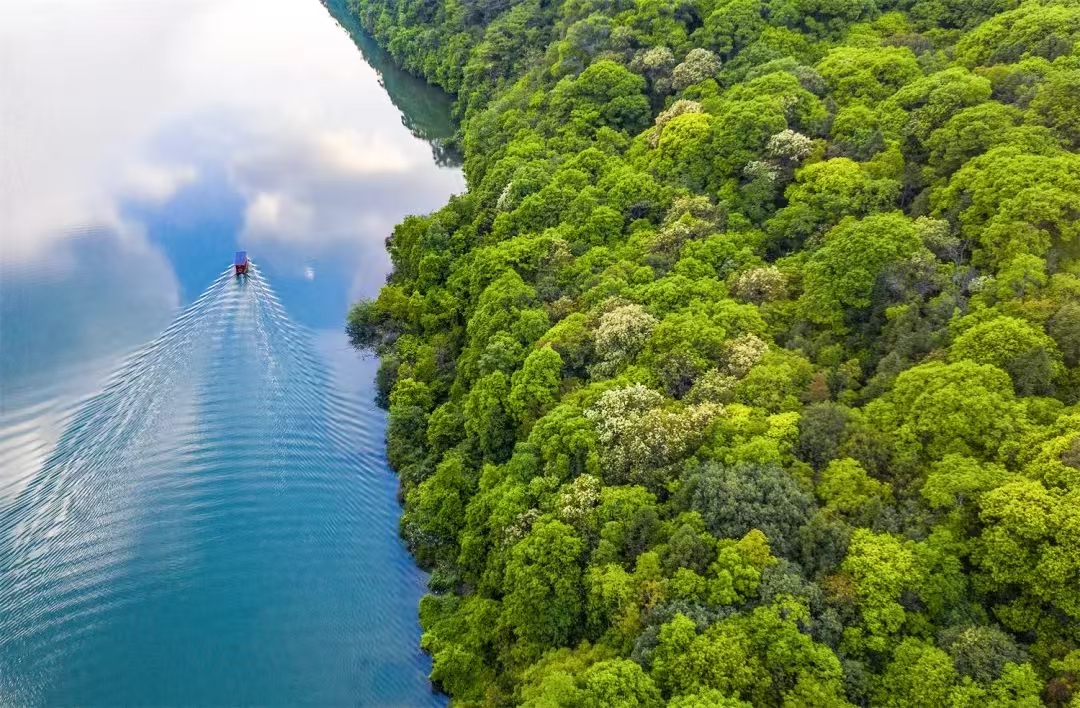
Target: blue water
{"points": [[195, 507]]}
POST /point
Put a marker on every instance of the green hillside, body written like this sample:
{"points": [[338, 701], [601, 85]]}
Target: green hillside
{"points": [[746, 372]]}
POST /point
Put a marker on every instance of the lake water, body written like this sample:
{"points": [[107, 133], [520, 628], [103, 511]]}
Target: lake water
{"points": [[195, 507]]}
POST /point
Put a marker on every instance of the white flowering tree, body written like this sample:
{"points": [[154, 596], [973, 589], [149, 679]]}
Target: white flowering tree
{"points": [[758, 285], [622, 334], [699, 64], [741, 353], [638, 433]]}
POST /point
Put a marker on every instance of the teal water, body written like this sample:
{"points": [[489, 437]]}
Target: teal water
{"points": [[195, 507]]}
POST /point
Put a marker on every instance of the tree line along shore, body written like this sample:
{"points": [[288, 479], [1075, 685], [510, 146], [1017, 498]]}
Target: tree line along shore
{"points": [[746, 370]]}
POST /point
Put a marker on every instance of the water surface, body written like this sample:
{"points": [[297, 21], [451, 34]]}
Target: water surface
{"points": [[194, 504]]}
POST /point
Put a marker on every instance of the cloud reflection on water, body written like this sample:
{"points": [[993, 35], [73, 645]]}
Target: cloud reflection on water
{"points": [[144, 140], [114, 109]]}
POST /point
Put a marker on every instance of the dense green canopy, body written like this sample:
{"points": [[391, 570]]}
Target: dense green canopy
{"points": [[746, 371]]}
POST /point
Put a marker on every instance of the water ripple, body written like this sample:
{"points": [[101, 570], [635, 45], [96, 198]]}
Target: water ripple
{"points": [[206, 521]]}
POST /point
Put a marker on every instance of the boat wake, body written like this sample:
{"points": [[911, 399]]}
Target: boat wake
{"points": [[211, 483]]}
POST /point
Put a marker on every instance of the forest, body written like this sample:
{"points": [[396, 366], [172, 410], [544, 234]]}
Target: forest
{"points": [[746, 372]]}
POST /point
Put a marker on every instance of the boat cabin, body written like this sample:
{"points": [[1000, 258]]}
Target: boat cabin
{"points": [[240, 262]]}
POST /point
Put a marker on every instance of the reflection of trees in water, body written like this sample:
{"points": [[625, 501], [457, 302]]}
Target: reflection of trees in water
{"points": [[425, 109]]}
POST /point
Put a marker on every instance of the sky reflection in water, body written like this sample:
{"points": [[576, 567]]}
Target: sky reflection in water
{"points": [[146, 140]]}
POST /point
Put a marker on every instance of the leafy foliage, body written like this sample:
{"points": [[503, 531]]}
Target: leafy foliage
{"points": [[746, 372]]}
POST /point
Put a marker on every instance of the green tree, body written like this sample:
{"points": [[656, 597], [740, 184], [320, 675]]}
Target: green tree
{"points": [[922, 106], [706, 698], [488, 420], [881, 568], [605, 94], [761, 657], [733, 500], [935, 409], [842, 273], [982, 652], [407, 429], [1053, 106], [847, 489], [534, 389], [867, 74], [1027, 546], [970, 132], [543, 604], [1024, 352], [1029, 30], [683, 347], [683, 151], [618, 683], [435, 510], [919, 675], [1010, 201], [573, 341]]}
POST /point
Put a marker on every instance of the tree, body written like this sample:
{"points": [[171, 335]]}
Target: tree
{"points": [[881, 568], [1053, 105], [1064, 328], [488, 420], [572, 340], [543, 605], [867, 74], [706, 698], [776, 382], [760, 285], [534, 389], [435, 510], [919, 675], [505, 307], [821, 17], [732, 25], [935, 409], [982, 652], [1031, 29], [842, 273], [699, 65], [618, 683], [457, 635], [1024, 352], [637, 434], [605, 94], [825, 192], [956, 482], [856, 133], [733, 500], [566, 442], [683, 149], [761, 657], [363, 326], [924, 105], [623, 333], [409, 406], [1012, 202], [970, 132], [683, 347], [735, 575], [446, 428], [1027, 546], [847, 489], [821, 428]]}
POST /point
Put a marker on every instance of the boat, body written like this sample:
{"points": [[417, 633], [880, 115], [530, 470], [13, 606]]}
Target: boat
{"points": [[240, 262]]}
